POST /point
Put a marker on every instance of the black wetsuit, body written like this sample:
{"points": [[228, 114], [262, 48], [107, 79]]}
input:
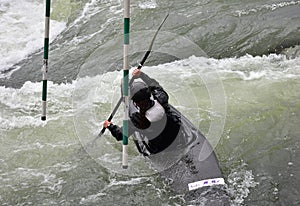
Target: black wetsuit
{"points": [[157, 135]]}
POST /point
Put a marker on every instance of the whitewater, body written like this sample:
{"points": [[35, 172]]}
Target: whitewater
{"points": [[243, 98]]}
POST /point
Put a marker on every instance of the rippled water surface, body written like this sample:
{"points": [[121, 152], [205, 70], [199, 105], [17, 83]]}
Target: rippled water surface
{"points": [[232, 68]]}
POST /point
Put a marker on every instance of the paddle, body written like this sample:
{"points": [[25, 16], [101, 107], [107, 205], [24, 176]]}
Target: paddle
{"points": [[139, 67], [45, 61]]}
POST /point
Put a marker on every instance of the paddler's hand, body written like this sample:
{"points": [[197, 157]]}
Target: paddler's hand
{"points": [[106, 123], [136, 73]]}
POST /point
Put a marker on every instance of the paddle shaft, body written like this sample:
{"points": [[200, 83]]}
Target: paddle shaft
{"points": [[45, 61]]}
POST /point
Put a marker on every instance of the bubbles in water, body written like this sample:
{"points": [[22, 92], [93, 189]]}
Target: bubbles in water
{"points": [[240, 181]]}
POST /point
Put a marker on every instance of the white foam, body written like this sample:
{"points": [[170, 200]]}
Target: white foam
{"points": [[240, 181], [271, 7], [22, 107], [148, 4], [246, 68], [250, 68], [22, 30]]}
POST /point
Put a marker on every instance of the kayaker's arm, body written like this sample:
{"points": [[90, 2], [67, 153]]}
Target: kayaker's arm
{"points": [[116, 131]]}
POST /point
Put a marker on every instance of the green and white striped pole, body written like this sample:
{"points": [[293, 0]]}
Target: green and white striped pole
{"points": [[45, 62], [125, 82]]}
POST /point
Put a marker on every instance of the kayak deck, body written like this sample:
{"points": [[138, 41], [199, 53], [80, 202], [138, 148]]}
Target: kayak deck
{"points": [[191, 165]]}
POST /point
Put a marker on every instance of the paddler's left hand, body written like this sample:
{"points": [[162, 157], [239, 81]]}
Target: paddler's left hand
{"points": [[106, 123]]}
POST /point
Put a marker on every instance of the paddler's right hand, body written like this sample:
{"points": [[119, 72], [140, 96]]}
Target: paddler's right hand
{"points": [[106, 123], [136, 73]]}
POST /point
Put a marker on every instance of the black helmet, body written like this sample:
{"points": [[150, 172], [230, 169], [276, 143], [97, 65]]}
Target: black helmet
{"points": [[139, 91]]}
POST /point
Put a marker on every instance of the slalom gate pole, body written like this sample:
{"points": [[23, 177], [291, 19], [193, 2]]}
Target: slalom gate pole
{"points": [[125, 82], [45, 62]]}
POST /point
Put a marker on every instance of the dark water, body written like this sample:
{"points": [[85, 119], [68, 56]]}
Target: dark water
{"points": [[220, 29], [232, 68]]}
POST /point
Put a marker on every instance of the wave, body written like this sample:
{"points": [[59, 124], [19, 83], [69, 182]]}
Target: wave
{"points": [[221, 31], [22, 105]]}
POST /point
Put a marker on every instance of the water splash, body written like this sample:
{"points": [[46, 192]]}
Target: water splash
{"points": [[240, 181], [21, 32]]}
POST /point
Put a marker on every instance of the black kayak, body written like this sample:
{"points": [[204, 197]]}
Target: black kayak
{"points": [[191, 167]]}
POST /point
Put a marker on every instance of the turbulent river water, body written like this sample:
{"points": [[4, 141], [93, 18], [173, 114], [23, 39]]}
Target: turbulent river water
{"points": [[232, 68]]}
